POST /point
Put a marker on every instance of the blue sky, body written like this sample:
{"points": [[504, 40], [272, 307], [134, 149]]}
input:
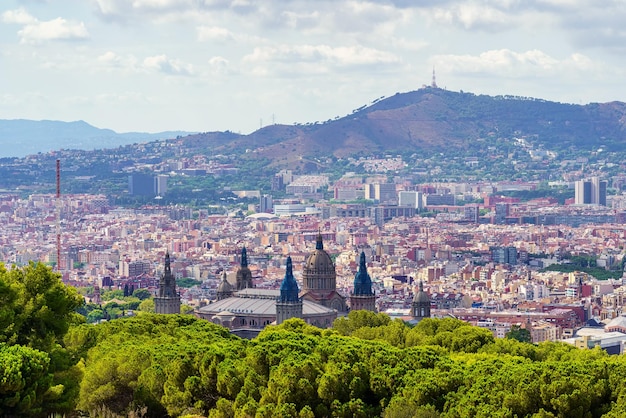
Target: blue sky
{"points": [[206, 65]]}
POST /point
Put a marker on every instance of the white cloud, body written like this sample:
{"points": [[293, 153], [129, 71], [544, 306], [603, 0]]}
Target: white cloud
{"points": [[109, 58], [506, 63], [35, 31], [408, 44], [112, 60], [214, 33], [142, 9], [473, 16], [301, 20], [340, 56], [163, 64], [121, 98], [19, 16], [219, 66]]}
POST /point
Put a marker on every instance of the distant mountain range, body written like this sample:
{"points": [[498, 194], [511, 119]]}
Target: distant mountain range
{"points": [[429, 119], [21, 137]]}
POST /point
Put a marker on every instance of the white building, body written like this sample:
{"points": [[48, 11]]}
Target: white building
{"points": [[411, 199]]}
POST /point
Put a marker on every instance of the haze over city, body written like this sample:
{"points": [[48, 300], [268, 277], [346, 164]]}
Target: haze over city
{"points": [[237, 65]]}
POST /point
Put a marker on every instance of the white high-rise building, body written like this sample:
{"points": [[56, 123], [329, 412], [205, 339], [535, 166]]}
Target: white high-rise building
{"points": [[381, 192], [411, 199], [590, 192], [160, 184]]}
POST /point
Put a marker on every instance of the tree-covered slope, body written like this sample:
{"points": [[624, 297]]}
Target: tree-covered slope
{"points": [[437, 119], [367, 365]]}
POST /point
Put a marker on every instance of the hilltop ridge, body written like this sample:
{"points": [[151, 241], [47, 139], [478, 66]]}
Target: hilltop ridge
{"points": [[436, 119], [422, 121]]}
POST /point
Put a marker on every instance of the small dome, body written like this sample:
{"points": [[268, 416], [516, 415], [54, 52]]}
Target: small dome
{"points": [[421, 296], [225, 286]]}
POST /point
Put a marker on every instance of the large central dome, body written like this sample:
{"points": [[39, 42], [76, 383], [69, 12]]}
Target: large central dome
{"points": [[319, 271], [319, 280], [319, 261]]}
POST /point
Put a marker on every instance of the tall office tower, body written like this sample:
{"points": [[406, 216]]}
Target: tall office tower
{"points": [[382, 192], [598, 187], [160, 184], [504, 255], [266, 204], [471, 213], [590, 192], [502, 211], [141, 184], [277, 183]]}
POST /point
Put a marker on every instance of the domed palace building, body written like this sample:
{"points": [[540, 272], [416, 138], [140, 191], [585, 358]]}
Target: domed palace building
{"points": [[319, 280]]}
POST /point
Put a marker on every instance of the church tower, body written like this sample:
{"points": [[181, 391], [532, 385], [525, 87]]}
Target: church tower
{"points": [[319, 280], [362, 296], [244, 275], [289, 304], [225, 289], [420, 307], [168, 301]]}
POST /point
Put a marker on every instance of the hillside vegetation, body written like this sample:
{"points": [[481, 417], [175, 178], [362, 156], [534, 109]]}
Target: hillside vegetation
{"points": [[435, 119], [367, 365]]}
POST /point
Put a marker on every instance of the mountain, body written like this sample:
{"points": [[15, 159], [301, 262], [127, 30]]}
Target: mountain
{"points": [[22, 137], [434, 119], [423, 121]]}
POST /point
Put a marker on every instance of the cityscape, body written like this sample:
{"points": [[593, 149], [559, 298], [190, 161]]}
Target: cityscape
{"points": [[312, 209], [199, 277], [494, 264]]}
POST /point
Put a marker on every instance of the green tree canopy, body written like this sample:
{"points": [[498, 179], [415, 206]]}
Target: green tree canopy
{"points": [[518, 333], [37, 309], [24, 380]]}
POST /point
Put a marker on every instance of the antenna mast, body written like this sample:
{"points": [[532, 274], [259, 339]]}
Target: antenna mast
{"points": [[58, 221], [434, 82]]}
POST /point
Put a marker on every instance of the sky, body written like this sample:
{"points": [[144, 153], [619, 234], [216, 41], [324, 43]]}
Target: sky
{"points": [[215, 65]]}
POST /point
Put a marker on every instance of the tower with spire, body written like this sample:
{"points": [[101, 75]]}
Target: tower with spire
{"points": [[244, 275], [289, 304], [168, 300], [362, 296]]}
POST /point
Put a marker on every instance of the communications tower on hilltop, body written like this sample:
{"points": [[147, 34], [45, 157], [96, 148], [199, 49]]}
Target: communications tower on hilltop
{"points": [[433, 84]]}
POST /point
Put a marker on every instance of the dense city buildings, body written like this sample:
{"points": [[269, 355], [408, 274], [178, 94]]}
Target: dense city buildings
{"points": [[493, 273]]}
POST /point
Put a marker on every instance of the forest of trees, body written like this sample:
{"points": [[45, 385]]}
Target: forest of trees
{"points": [[54, 364]]}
